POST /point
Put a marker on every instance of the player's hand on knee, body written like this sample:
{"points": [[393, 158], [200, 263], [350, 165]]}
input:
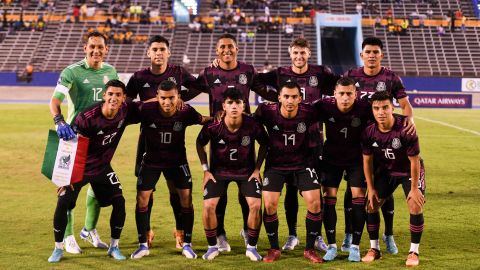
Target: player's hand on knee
{"points": [[373, 199], [416, 196], [64, 130]]}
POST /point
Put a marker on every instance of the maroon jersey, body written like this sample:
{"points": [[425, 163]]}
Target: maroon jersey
{"points": [[145, 84], [289, 138], [316, 82], [165, 136], [232, 154], [214, 81], [104, 134], [343, 131], [391, 150], [385, 80]]}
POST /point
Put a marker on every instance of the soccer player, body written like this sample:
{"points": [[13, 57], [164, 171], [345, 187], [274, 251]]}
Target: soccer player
{"points": [[391, 158], [232, 159], [289, 160], [164, 136], [370, 78], [103, 123], [214, 81], [144, 83], [315, 81], [83, 83], [344, 118]]}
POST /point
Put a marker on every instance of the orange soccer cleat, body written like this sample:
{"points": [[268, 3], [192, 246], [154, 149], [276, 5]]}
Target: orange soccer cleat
{"points": [[372, 255]]}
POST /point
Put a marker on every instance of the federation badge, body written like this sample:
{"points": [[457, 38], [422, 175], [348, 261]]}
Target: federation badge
{"points": [[313, 81], [356, 122], [178, 126], [245, 140], [381, 86], [265, 181], [64, 162], [396, 143], [172, 79], [301, 127], [242, 79], [120, 123]]}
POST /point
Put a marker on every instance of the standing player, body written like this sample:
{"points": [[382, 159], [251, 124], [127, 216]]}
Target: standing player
{"points": [[315, 81], [345, 118], [370, 78], [287, 161], [232, 158], [164, 134], [104, 124], [214, 81], [83, 84], [144, 83], [391, 158]]}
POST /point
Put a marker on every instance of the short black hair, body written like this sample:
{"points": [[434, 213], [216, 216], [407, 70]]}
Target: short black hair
{"points": [[300, 42], [233, 94], [115, 83], [167, 85], [290, 85], [381, 96], [159, 39], [96, 34], [374, 41], [345, 81], [229, 36]]}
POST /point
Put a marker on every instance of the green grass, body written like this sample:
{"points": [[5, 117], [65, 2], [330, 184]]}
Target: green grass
{"points": [[27, 202]]}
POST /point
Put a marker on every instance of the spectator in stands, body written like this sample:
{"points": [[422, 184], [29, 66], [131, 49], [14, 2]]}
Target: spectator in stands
{"points": [[100, 3], [288, 30], [359, 7], [250, 36], [391, 29], [429, 13], [464, 21], [440, 30], [83, 10], [42, 4], [76, 13], [378, 21], [404, 27], [389, 12]]}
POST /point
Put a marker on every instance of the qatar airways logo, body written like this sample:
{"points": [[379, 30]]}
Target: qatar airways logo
{"points": [[434, 101], [441, 100]]}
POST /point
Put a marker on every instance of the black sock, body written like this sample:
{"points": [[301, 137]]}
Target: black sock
{"points": [[117, 219], [271, 227], [330, 218], [416, 228], [177, 210], [150, 205], [313, 224], [291, 209], [253, 236], [373, 225], [347, 210], [211, 236], [141, 218], [358, 219], [65, 202], [220, 212], [388, 210], [187, 223], [245, 210]]}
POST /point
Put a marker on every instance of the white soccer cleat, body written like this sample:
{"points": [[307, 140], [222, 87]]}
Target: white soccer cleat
{"points": [[93, 238], [141, 252], [291, 243], [223, 245], [71, 245]]}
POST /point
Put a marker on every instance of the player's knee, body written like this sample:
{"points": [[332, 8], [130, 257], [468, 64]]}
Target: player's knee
{"points": [[118, 204], [142, 199], [414, 208], [186, 201], [270, 207], [255, 206], [209, 207], [372, 210]]}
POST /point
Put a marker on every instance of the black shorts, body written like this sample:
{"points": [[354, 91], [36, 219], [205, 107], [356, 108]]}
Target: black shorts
{"points": [[180, 176], [332, 176], [304, 179], [385, 184], [218, 189], [105, 185]]}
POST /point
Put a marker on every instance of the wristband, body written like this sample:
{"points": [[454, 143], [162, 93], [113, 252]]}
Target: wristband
{"points": [[205, 167], [58, 118]]}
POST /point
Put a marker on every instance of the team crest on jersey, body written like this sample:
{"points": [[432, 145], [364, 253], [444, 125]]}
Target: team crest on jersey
{"points": [[301, 127], [178, 126], [313, 81], [64, 162], [242, 79], [265, 181], [396, 143], [356, 122], [172, 79], [245, 140], [381, 86], [105, 79], [120, 123]]}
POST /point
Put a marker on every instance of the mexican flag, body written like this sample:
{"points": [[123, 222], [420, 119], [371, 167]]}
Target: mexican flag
{"points": [[64, 161]]}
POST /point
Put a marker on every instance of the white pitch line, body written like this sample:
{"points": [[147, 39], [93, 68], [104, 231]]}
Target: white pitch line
{"points": [[448, 125]]}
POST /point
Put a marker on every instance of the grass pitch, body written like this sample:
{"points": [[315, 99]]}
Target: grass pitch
{"points": [[27, 202]]}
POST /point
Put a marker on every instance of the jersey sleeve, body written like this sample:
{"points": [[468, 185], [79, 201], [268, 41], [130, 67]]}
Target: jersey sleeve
{"points": [[329, 82], [398, 89], [133, 114], [202, 82], [204, 136], [259, 114], [366, 145], [269, 78], [412, 145], [260, 87], [193, 117], [261, 136], [320, 111], [64, 84], [81, 125], [132, 87]]}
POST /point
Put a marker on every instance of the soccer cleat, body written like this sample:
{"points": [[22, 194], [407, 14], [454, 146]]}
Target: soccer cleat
{"points": [[331, 254], [312, 256], [178, 234], [115, 253], [354, 255], [211, 253], [71, 245], [188, 252], [291, 243], [412, 259], [347, 242], [372, 255], [150, 237], [93, 238], [272, 255], [320, 244], [244, 235], [390, 243], [141, 252], [223, 245], [56, 256], [253, 255]]}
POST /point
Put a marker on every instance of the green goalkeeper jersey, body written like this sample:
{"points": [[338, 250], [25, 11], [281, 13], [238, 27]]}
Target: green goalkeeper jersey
{"points": [[83, 86]]}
